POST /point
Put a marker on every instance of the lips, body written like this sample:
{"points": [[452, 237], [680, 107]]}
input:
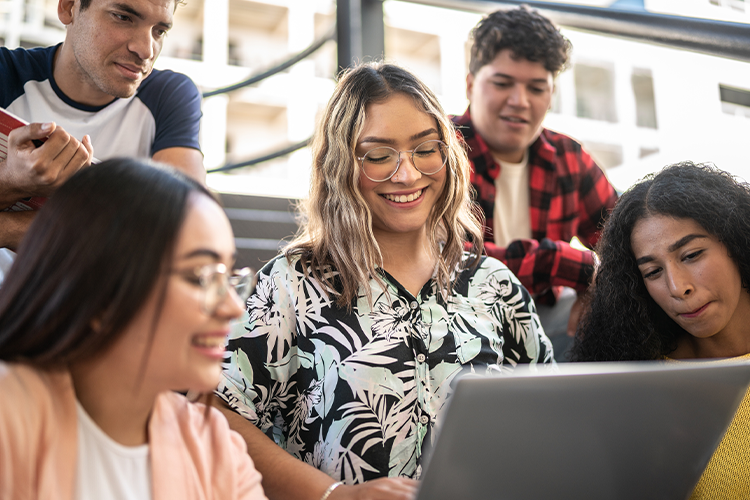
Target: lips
{"points": [[133, 71], [694, 313], [403, 198], [514, 119], [210, 345]]}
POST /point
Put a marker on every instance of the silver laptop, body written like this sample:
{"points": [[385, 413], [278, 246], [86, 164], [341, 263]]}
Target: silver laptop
{"points": [[600, 430]]}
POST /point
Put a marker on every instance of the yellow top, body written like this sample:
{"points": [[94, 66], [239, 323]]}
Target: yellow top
{"points": [[727, 475]]}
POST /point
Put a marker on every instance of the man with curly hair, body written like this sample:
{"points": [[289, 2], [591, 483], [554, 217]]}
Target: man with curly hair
{"points": [[550, 189]]}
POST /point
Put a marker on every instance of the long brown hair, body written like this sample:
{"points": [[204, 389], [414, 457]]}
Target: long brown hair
{"points": [[89, 261], [337, 224]]}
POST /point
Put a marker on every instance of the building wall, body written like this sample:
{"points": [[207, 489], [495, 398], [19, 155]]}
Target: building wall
{"points": [[635, 106]]}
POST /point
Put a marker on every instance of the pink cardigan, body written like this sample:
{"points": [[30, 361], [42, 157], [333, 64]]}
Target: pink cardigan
{"points": [[193, 457]]}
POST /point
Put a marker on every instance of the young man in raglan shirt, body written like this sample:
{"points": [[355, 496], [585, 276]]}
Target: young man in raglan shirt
{"points": [[94, 94], [537, 188]]}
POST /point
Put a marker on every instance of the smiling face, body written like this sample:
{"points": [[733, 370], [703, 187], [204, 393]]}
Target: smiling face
{"points": [[188, 343], [692, 277], [110, 47], [509, 99], [402, 204]]}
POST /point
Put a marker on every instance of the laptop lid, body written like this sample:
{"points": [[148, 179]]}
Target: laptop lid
{"points": [[593, 430]]}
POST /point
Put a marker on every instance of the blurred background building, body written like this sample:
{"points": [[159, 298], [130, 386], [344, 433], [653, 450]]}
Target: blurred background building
{"points": [[635, 106]]}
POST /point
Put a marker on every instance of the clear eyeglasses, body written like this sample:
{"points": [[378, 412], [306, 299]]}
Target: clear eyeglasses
{"points": [[380, 164], [215, 280]]}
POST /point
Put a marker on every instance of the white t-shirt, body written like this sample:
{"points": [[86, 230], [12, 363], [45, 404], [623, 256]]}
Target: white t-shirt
{"points": [[106, 469], [512, 220]]}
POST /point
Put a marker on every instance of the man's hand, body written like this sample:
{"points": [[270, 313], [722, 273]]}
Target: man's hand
{"points": [[385, 488], [38, 171]]}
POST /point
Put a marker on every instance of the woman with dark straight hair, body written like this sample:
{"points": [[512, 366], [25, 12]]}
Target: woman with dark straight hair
{"points": [[121, 294], [673, 284]]}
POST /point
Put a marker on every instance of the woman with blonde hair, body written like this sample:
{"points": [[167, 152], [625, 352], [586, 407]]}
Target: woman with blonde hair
{"points": [[357, 332]]}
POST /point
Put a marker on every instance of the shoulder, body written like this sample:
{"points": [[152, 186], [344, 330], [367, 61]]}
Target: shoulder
{"points": [[32, 63], [218, 453], [566, 153], [473, 279], [204, 431], [19, 66], [193, 415], [166, 84], [31, 384], [37, 431], [171, 97], [561, 142], [486, 266]]}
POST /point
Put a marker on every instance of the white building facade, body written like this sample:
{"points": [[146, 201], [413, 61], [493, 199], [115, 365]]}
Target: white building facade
{"points": [[635, 106]]}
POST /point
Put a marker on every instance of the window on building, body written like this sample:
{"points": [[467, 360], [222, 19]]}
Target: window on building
{"points": [[595, 93], [606, 155], [734, 101], [738, 5], [645, 103], [647, 151]]}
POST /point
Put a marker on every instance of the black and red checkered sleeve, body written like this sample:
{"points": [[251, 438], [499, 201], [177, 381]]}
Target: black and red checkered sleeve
{"points": [[596, 198], [541, 265]]}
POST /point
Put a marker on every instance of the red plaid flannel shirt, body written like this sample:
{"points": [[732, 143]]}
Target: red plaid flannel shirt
{"points": [[568, 196]]}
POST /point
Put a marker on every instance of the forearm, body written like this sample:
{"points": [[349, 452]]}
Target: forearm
{"points": [[13, 227], [188, 161], [284, 477], [9, 192], [540, 265]]}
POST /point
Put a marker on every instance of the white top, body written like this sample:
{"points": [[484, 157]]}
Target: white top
{"points": [[107, 469], [511, 217]]}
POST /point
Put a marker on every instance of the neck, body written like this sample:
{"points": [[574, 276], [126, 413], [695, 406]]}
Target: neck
{"points": [[115, 397], [407, 258]]}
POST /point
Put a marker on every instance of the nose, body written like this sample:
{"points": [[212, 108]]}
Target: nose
{"points": [[142, 44], [678, 283], [407, 173], [518, 97], [230, 306]]}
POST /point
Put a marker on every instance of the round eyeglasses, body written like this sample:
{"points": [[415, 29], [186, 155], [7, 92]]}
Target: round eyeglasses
{"points": [[380, 164], [215, 280]]}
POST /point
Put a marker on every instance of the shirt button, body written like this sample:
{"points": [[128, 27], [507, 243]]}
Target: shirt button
{"points": [[414, 304], [421, 357], [424, 419]]}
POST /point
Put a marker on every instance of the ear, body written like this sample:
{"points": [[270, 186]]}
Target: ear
{"points": [[65, 11], [469, 84]]}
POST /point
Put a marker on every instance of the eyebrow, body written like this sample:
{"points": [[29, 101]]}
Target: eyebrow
{"points": [[674, 246], [509, 77], [130, 10], [381, 140], [202, 252]]}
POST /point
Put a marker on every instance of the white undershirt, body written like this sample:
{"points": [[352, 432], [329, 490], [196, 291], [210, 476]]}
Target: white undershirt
{"points": [[106, 469], [511, 217]]}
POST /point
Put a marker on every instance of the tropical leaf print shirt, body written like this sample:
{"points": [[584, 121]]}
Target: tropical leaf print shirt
{"points": [[357, 394]]}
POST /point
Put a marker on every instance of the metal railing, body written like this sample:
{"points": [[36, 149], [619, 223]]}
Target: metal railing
{"points": [[717, 38]]}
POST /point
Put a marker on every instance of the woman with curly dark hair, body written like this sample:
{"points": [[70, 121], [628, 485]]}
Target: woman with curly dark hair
{"points": [[673, 284]]}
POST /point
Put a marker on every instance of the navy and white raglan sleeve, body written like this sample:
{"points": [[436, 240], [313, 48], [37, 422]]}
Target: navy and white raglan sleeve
{"points": [[175, 103]]}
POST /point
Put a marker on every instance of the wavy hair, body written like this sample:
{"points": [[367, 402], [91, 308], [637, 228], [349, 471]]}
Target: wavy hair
{"points": [[337, 224], [90, 260], [528, 35], [623, 322]]}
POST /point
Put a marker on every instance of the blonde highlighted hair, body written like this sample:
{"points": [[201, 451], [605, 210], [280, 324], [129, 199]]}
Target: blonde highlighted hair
{"points": [[336, 233]]}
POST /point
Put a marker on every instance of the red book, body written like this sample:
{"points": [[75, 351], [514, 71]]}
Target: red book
{"points": [[8, 122]]}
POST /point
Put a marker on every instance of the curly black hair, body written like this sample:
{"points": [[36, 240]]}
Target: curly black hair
{"points": [[622, 321], [526, 33]]}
